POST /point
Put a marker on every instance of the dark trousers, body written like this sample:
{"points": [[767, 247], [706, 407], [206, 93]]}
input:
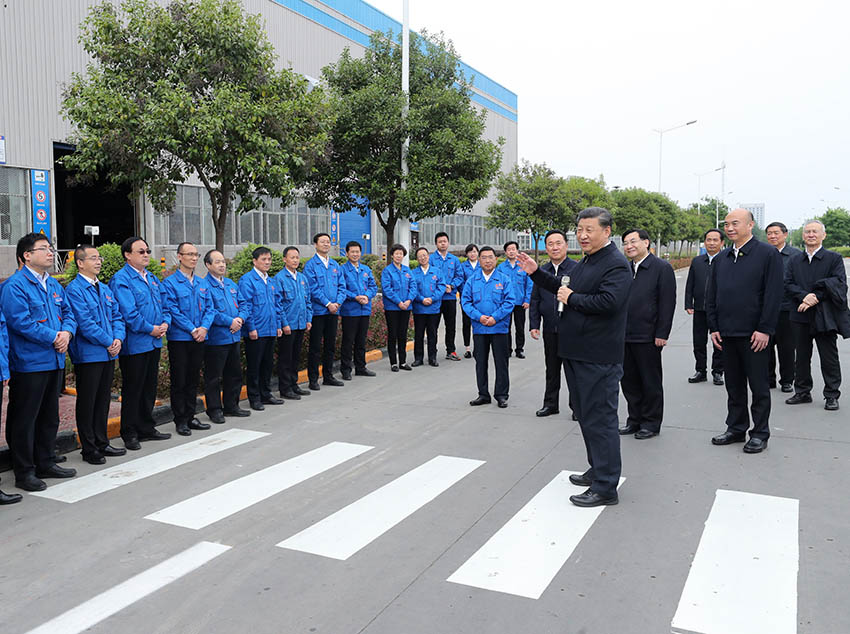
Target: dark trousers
{"points": [[32, 420], [782, 343], [353, 352], [594, 392], [259, 360], [518, 333], [700, 332], [554, 365], [466, 322], [422, 325], [499, 342], [222, 377], [642, 385], [829, 364], [448, 309], [94, 391], [397, 323], [288, 357], [743, 367], [139, 377], [185, 359], [322, 346]]}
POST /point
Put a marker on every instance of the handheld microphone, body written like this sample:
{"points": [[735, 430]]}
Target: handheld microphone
{"points": [[565, 282]]}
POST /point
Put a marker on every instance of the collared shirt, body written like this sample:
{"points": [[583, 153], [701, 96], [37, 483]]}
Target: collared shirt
{"points": [[188, 277], [424, 269], [263, 276], [143, 273], [812, 254], [636, 265], [42, 277], [91, 280], [711, 257], [473, 264], [294, 274], [325, 261], [487, 275], [556, 266], [735, 249]]}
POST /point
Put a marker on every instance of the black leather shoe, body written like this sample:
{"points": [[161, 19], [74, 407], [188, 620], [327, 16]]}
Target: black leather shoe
{"points": [[502, 402], [196, 424], [394, 368], [333, 381], [239, 412], [799, 398], [467, 355], [183, 429], [95, 458], [481, 400], [55, 471], [787, 388], [133, 444], [256, 405], [699, 377], [643, 434], [10, 498], [292, 396], [580, 479], [58, 459], [433, 363], [417, 363], [629, 429], [364, 372], [346, 376], [771, 385], [520, 355], [30, 483], [727, 438], [546, 411], [404, 366], [314, 385], [112, 452], [272, 400], [831, 404], [755, 445], [217, 417], [717, 378], [300, 391], [589, 498], [156, 435]]}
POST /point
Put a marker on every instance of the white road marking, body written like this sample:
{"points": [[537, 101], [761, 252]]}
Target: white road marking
{"points": [[523, 556], [348, 530], [216, 504], [744, 575]]}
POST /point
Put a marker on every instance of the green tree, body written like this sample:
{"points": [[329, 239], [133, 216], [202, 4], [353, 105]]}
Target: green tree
{"points": [[190, 88], [836, 220], [579, 193], [711, 208], [529, 198], [450, 166], [636, 208]]}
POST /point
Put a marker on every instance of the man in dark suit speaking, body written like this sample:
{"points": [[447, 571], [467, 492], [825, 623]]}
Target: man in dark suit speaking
{"points": [[591, 339]]}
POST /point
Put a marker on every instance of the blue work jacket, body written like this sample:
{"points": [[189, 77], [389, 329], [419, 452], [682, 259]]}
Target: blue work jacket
{"points": [[4, 348], [428, 285], [98, 318], [450, 270], [225, 305], [296, 308], [33, 318], [521, 282], [140, 302], [327, 285], [495, 298], [260, 303], [397, 285], [188, 304], [359, 281], [466, 268]]}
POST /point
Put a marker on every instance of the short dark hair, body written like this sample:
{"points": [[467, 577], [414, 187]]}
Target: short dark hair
{"points": [[483, 249], [397, 247], [600, 213], [441, 234], [416, 253], [183, 244], [553, 232], [80, 253], [127, 245], [319, 235], [208, 255], [470, 247], [27, 242], [642, 234], [717, 231], [260, 251], [290, 248], [509, 243], [781, 226], [353, 243]]}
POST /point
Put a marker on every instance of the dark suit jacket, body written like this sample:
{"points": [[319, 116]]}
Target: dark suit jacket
{"points": [[744, 295], [800, 279], [787, 252], [697, 283], [652, 301], [543, 303], [593, 325]]}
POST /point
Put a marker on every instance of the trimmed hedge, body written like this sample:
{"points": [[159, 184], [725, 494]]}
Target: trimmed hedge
{"points": [[113, 260]]}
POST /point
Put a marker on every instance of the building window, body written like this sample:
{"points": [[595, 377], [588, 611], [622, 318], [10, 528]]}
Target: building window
{"points": [[15, 204]]}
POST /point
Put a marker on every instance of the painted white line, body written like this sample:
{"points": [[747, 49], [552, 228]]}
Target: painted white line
{"points": [[127, 472], [129, 592], [348, 530], [525, 554], [744, 575], [216, 504]]}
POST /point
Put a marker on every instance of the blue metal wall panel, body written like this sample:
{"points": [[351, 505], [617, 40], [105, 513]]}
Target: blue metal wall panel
{"points": [[352, 226]]}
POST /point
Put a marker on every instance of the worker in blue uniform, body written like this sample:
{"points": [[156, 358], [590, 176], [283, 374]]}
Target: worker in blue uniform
{"points": [[430, 288], [356, 311], [398, 291], [296, 319], [468, 266], [450, 270], [522, 290]]}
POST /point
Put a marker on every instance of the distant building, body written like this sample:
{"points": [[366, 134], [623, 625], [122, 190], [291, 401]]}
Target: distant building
{"points": [[757, 209]]}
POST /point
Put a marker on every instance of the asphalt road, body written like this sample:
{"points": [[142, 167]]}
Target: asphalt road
{"points": [[382, 490]]}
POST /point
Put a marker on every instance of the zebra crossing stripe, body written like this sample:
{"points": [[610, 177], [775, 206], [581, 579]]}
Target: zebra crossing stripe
{"points": [[744, 575], [140, 468], [216, 504], [523, 556], [129, 592], [342, 534]]}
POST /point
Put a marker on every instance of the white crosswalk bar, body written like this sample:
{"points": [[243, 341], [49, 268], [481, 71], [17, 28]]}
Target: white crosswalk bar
{"points": [[523, 556], [744, 575], [140, 468], [216, 504], [342, 534]]}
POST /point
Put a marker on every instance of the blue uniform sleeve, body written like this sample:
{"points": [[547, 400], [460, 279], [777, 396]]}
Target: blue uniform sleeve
{"points": [[171, 306], [208, 310], [347, 272], [4, 348], [87, 319], [508, 300], [341, 288], [412, 290], [245, 299], [309, 306], [285, 301], [466, 303], [133, 318], [21, 321], [314, 282], [457, 274], [166, 316], [371, 286], [387, 286], [119, 330], [220, 318]]}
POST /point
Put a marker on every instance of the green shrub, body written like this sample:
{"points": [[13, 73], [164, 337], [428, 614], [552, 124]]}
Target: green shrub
{"points": [[844, 252], [113, 260], [242, 262]]}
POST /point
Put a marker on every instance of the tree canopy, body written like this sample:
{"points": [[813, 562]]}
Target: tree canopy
{"points": [[636, 208], [836, 220]]}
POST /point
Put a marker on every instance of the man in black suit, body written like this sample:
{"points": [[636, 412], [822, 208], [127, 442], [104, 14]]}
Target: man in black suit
{"points": [[591, 339], [543, 306], [695, 287], [783, 341], [743, 299], [652, 301], [816, 284]]}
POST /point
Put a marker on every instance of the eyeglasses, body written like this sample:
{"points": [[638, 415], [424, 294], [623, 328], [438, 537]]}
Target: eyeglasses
{"points": [[48, 249], [190, 254], [144, 251], [96, 258]]}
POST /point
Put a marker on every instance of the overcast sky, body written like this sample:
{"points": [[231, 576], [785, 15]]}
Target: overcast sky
{"points": [[767, 82]]}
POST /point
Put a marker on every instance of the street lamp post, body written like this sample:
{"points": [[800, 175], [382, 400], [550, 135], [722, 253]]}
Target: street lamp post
{"points": [[661, 132], [722, 170]]}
